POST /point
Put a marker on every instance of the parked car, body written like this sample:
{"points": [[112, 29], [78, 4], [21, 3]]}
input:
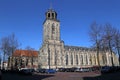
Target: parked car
{"points": [[84, 69], [50, 71], [61, 69], [0, 75], [77, 70], [41, 70], [27, 71], [105, 69]]}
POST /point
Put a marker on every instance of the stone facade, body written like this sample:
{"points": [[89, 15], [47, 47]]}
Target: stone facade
{"points": [[54, 54]]}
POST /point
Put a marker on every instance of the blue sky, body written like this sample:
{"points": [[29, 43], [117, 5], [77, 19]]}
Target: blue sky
{"points": [[25, 19]]}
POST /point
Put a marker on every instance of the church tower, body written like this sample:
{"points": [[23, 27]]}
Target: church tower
{"points": [[51, 52], [54, 54], [51, 26]]}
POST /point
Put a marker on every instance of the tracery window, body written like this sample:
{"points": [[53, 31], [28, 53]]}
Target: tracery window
{"points": [[77, 59], [86, 60], [52, 15], [55, 58], [53, 28], [48, 15], [66, 59], [71, 59], [81, 57]]}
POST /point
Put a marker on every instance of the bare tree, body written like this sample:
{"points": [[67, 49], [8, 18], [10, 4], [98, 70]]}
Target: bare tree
{"points": [[5, 45], [117, 43], [95, 36], [8, 45], [105, 38], [13, 43], [110, 32]]}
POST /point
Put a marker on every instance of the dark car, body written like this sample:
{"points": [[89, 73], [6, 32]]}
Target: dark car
{"points": [[105, 69], [61, 69], [42, 70], [0, 75], [50, 71], [27, 71]]}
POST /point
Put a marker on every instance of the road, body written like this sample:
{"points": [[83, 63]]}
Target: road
{"points": [[63, 76]]}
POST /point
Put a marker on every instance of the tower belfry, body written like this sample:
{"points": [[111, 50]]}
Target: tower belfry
{"points": [[51, 26], [51, 14]]}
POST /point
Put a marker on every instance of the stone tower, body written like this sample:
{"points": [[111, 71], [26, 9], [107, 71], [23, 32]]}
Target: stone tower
{"points": [[51, 52], [51, 26]]}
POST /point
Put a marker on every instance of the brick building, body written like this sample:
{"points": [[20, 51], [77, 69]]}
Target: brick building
{"points": [[23, 59]]}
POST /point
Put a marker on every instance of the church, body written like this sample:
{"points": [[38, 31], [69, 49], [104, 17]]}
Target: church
{"points": [[55, 54]]}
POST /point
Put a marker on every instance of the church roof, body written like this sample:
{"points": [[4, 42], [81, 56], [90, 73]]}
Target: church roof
{"points": [[67, 47], [27, 53]]}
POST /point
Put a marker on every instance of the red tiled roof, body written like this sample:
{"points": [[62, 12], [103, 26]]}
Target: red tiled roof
{"points": [[27, 53]]}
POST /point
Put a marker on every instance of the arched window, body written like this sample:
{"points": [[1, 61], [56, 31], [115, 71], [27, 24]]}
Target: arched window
{"points": [[90, 59], [53, 28], [48, 15], [81, 59], [103, 59], [71, 59], [52, 15], [66, 59], [26, 61], [86, 60], [16, 63], [77, 59], [95, 60], [56, 57]]}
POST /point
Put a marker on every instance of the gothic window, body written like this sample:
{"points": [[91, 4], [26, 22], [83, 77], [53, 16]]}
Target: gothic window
{"points": [[52, 15], [48, 15], [66, 59], [26, 61], [47, 32], [86, 60], [90, 59], [71, 59], [95, 60], [55, 58], [21, 62], [53, 28], [77, 59], [16, 63], [81, 59], [32, 60], [103, 58]]}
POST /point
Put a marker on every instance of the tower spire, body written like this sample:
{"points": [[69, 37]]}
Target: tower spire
{"points": [[51, 6]]}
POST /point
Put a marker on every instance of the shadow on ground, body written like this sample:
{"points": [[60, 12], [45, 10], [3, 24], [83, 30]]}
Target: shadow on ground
{"points": [[105, 76], [11, 76]]}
